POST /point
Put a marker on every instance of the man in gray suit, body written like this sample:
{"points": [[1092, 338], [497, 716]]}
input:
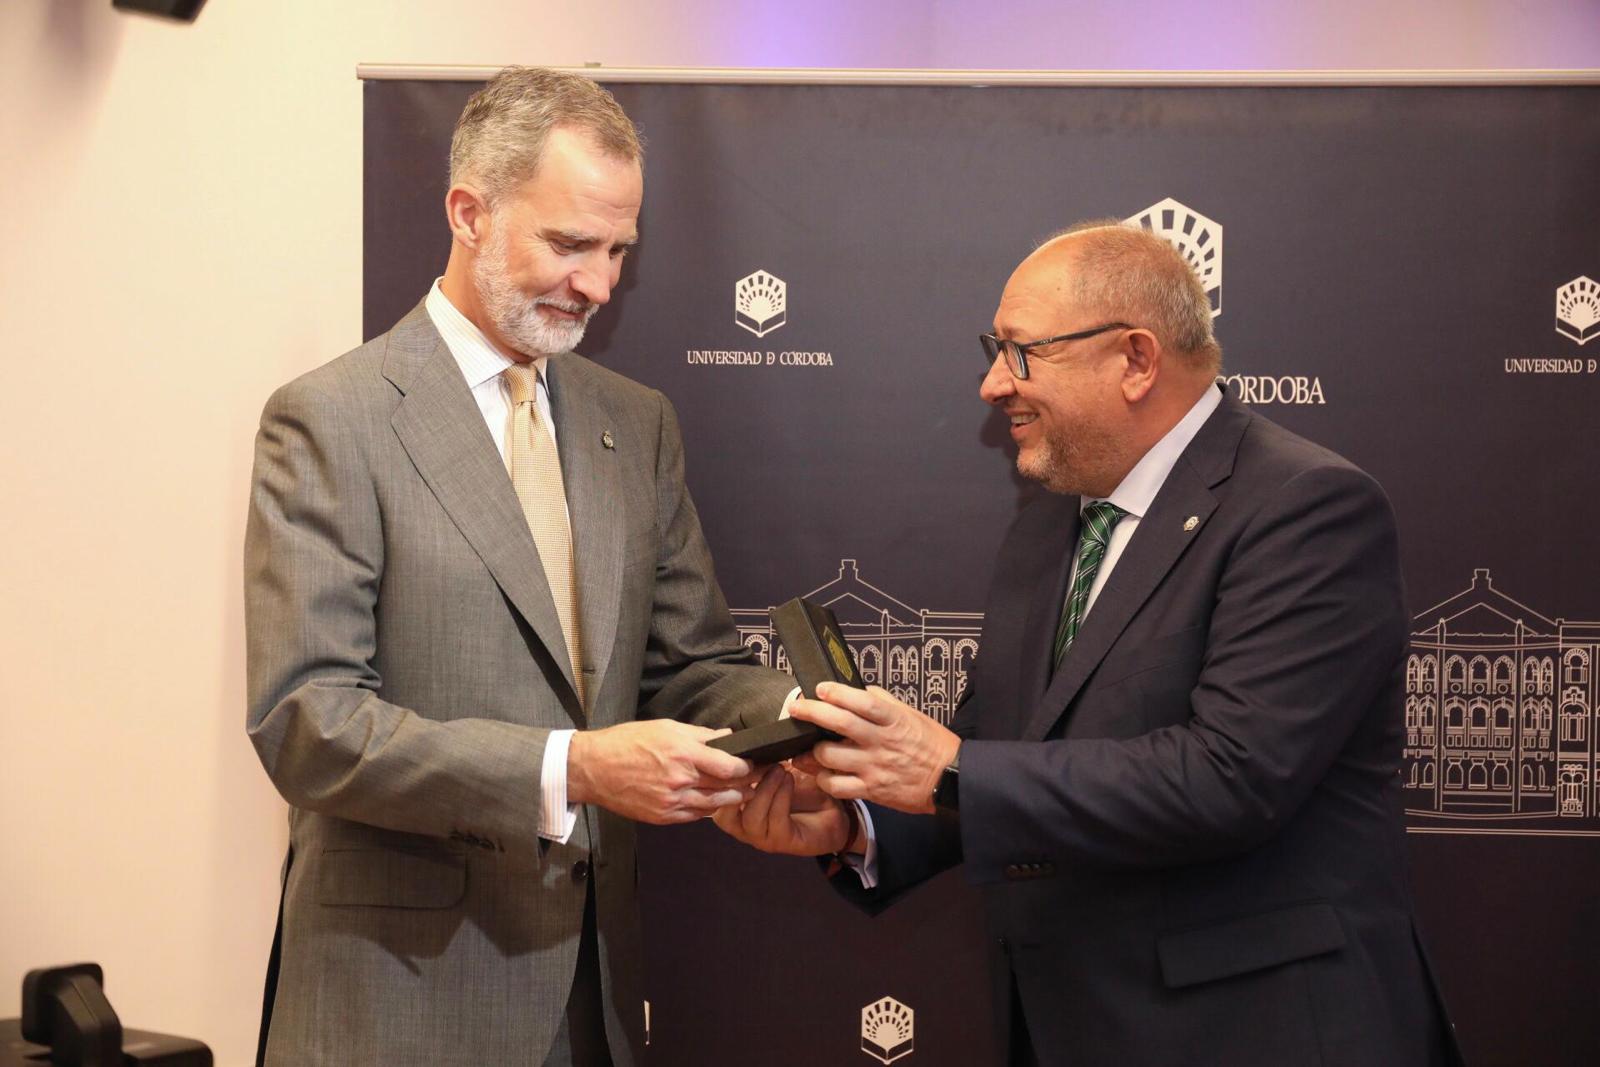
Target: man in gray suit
{"points": [[470, 683]]}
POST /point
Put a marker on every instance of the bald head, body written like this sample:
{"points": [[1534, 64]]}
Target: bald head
{"points": [[1116, 332], [1120, 272]]}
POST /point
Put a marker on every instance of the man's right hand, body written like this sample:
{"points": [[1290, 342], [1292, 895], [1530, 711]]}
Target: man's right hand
{"points": [[656, 771], [789, 814]]}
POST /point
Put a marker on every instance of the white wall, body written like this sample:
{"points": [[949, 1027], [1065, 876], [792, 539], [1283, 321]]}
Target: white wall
{"points": [[182, 218]]}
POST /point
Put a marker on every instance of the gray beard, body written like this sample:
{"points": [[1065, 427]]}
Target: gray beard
{"points": [[515, 316]]}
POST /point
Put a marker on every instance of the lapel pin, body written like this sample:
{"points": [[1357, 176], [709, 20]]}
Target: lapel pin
{"points": [[1190, 523], [607, 440]]}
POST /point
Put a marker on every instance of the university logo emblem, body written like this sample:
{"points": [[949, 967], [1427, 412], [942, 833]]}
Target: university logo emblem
{"points": [[887, 1030], [1578, 310], [760, 302], [1197, 237]]}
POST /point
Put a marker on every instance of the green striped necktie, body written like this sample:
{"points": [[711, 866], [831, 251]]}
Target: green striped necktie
{"points": [[1099, 519]]}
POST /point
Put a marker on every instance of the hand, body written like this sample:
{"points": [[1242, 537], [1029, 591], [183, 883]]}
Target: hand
{"points": [[790, 815], [892, 754], [656, 771]]}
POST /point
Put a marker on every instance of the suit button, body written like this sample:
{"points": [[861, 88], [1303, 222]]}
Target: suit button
{"points": [[580, 870], [1013, 871]]}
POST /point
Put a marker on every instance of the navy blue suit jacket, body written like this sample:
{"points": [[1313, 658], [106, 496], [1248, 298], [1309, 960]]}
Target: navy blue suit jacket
{"points": [[1188, 838]]}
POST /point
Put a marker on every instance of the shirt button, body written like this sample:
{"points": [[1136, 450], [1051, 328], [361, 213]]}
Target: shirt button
{"points": [[580, 870]]}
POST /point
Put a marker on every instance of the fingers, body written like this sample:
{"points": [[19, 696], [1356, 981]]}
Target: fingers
{"points": [[874, 704], [717, 765], [838, 756], [842, 786], [806, 764], [757, 809], [840, 721]]}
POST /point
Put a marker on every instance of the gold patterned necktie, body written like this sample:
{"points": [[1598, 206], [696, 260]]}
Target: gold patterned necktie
{"points": [[536, 476], [1099, 519]]}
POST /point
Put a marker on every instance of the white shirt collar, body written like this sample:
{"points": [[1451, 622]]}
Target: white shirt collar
{"points": [[1138, 489], [474, 353]]}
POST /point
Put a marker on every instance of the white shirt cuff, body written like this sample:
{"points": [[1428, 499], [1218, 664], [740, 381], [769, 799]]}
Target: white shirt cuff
{"points": [[556, 816], [865, 865], [788, 702]]}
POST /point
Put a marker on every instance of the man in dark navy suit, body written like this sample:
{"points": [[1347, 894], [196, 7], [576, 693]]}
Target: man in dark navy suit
{"points": [[1173, 775]]}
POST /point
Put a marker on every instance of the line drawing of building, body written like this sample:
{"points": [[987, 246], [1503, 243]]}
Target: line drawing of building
{"points": [[1502, 704], [1501, 717], [921, 656]]}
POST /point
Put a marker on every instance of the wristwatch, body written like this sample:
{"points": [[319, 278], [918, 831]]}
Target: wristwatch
{"points": [[947, 793]]}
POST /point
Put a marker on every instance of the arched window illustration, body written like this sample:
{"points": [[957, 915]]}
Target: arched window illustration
{"points": [[1505, 673], [966, 651], [1477, 776], [1478, 722], [906, 695], [1577, 667], [1478, 674], [1452, 775], [1502, 776], [1527, 776], [782, 662], [1573, 724], [1413, 674], [937, 656], [759, 644], [1412, 714], [1530, 674], [1412, 782], [1455, 673], [869, 663], [1455, 722], [913, 666], [1502, 722], [1427, 775], [1547, 675], [1430, 673], [897, 666]]}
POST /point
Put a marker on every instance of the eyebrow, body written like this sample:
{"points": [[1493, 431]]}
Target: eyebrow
{"points": [[586, 239]]}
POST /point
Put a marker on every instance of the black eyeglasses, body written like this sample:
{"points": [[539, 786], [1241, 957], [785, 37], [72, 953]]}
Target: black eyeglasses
{"points": [[1017, 354]]}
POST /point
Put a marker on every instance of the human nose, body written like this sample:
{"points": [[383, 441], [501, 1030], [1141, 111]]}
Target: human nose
{"points": [[595, 277], [998, 383]]}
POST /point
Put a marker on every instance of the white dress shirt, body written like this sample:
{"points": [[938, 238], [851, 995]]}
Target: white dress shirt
{"points": [[482, 364], [1134, 495]]}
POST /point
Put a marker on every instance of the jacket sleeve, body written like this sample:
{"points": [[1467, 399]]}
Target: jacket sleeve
{"points": [[695, 666], [1307, 630]]}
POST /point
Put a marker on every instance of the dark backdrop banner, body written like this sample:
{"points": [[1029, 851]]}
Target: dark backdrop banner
{"points": [[1410, 279]]}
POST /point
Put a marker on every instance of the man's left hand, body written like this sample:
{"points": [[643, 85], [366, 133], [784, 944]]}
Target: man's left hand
{"points": [[892, 754]]}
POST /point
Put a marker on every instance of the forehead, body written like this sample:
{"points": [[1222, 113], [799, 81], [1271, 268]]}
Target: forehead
{"points": [[577, 179], [1037, 297]]}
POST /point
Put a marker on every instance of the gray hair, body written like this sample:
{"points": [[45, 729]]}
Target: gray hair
{"points": [[1124, 271], [501, 133]]}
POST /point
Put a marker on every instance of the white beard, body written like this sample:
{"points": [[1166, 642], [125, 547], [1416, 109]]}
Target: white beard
{"points": [[518, 318]]}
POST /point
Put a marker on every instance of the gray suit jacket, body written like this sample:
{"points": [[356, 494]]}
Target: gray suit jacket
{"points": [[405, 668]]}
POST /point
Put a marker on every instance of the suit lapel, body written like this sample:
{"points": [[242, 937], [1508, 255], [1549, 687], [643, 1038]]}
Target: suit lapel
{"points": [[583, 422], [1154, 550], [441, 429]]}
